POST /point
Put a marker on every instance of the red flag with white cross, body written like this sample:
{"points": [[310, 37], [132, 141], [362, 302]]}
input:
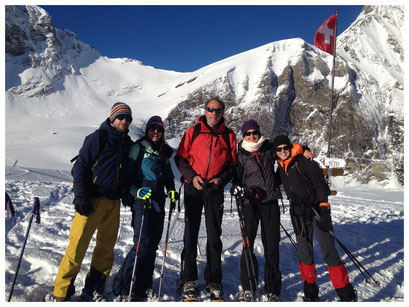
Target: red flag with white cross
{"points": [[325, 37]]}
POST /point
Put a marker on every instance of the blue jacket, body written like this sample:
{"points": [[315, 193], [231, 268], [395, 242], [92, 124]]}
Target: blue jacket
{"points": [[153, 171], [105, 176]]}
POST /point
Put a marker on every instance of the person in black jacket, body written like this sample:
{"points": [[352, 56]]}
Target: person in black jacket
{"points": [[307, 190], [256, 179], [99, 182]]}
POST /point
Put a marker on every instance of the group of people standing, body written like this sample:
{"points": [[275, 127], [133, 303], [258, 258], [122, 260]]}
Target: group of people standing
{"points": [[110, 167]]}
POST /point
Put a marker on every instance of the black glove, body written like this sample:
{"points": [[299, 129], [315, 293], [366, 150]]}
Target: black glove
{"points": [[83, 205], [255, 193], [298, 209], [127, 199], [325, 224], [81, 202]]}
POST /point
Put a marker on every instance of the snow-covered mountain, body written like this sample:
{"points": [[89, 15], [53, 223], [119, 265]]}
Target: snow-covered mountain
{"points": [[59, 89]]}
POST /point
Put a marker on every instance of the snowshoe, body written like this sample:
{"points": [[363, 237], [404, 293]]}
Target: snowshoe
{"points": [[190, 291], [216, 292]]}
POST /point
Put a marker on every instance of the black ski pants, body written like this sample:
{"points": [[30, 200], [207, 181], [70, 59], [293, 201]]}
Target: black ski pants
{"points": [[212, 202], [268, 215]]}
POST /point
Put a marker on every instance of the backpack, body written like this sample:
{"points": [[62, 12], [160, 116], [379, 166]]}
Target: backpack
{"points": [[225, 134]]}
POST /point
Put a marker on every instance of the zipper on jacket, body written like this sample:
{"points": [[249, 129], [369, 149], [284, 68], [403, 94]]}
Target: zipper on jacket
{"points": [[119, 161], [208, 159]]}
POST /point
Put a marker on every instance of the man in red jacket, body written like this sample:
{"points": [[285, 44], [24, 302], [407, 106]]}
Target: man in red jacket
{"points": [[205, 157]]}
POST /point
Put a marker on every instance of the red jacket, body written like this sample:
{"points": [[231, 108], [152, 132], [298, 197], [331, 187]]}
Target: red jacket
{"points": [[208, 156]]}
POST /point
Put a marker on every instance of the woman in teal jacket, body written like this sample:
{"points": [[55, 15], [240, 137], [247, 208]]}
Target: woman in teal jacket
{"points": [[150, 173]]}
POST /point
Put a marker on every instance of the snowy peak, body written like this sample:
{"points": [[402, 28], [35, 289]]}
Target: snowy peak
{"points": [[375, 40], [28, 29], [33, 42]]}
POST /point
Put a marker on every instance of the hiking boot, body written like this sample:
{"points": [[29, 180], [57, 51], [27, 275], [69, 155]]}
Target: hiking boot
{"points": [[271, 297], [138, 296], [347, 294], [151, 294], [245, 296], [121, 298], [88, 297], [49, 297], [190, 290], [216, 291], [310, 292]]}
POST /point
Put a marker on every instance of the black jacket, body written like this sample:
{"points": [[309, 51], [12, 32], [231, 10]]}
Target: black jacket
{"points": [[257, 170], [303, 179], [102, 176]]}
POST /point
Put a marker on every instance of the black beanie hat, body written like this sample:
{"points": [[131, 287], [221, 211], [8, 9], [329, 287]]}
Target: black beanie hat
{"points": [[154, 121], [281, 140]]}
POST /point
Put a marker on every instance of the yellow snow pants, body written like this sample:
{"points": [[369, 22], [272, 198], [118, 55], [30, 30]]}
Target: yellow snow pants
{"points": [[105, 218]]}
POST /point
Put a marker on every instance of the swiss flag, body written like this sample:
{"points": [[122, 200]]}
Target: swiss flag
{"points": [[324, 38]]}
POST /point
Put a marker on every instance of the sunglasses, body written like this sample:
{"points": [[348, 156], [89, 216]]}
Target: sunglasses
{"points": [[123, 116], [153, 128], [285, 148], [211, 110], [248, 133]]}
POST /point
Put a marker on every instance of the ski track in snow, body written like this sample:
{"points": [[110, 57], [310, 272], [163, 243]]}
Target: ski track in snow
{"points": [[368, 221]]}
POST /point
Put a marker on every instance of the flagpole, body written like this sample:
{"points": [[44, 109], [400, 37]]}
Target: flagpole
{"points": [[332, 86]]}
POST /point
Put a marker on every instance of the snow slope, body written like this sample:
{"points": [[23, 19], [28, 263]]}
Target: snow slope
{"points": [[367, 219]]}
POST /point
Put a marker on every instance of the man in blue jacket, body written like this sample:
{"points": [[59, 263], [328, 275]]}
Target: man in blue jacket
{"points": [[99, 182]]}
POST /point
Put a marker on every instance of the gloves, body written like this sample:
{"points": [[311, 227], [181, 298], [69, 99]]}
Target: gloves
{"points": [[325, 224], [142, 193], [173, 195], [255, 193], [81, 202], [83, 205], [127, 199], [237, 191]]}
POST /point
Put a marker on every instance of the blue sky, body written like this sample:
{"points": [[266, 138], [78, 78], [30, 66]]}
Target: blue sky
{"points": [[184, 38]]}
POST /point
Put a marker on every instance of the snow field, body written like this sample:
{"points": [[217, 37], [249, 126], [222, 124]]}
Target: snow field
{"points": [[369, 221]]}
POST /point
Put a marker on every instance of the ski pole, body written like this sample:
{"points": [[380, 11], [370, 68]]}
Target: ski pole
{"points": [[34, 212], [351, 256], [171, 208], [246, 247], [289, 236], [147, 205]]}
